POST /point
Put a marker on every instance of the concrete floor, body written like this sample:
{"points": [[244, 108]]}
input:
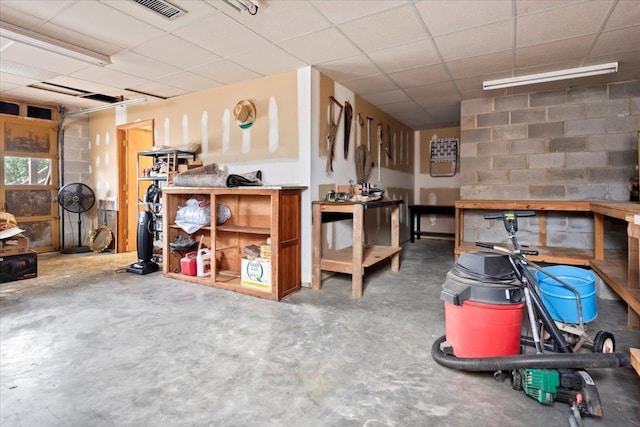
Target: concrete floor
{"points": [[85, 345]]}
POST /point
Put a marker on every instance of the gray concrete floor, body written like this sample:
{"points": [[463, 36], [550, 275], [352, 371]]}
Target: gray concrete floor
{"points": [[85, 345]]}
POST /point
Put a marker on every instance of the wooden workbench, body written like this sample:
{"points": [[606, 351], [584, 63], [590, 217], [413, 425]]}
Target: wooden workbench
{"points": [[620, 270], [353, 260]]}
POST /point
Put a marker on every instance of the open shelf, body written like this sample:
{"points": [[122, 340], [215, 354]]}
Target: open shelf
{"points": [[252, 216]]}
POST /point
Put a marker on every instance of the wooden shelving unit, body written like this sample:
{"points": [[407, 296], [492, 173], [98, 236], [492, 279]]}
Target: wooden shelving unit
{"points": [[256, 214]]}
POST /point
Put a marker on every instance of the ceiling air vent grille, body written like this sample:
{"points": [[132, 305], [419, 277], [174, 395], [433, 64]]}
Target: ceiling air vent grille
{"points": [[162, 7]]}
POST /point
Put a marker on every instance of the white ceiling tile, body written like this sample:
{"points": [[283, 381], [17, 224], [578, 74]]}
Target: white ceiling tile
{"points": [[475, 41], [174, 51], [446, 16], [72, 37], [554, 52], [108, 77], [349, 68], [132, 63], [499, 62], [159, 89], [577, 19], [322, 46], [472, 85], [420, 76], [387, 97], [221, 35], [190, 82], [10, 68], [432, 91], [34, 57], [626, 13], [370, 84], [43, 9], [268, 60], [225, 72], [5, 85], [281, 20], [385, 29], [617, 41], [347, 10], [75, 18], [410, 55], [524, 7]]}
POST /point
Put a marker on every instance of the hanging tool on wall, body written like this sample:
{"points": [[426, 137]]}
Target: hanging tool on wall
{"points": [[388, 146], [369, 120], [380, 139], [348, 117], [333, 130]]}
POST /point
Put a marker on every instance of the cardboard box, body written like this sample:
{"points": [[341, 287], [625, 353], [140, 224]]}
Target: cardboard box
{"points": [[195, 164], [14, 245], [256, 274], [18, 267]]}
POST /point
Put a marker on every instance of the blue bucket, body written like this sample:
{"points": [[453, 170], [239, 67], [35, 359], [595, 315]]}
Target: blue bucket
{"points": [[560, 301]]}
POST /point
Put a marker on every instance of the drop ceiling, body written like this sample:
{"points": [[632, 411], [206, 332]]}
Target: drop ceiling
{"points": [[415, 60]]}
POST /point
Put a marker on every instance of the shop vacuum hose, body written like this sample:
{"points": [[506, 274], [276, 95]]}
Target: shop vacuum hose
{"points": [[531, 361]]}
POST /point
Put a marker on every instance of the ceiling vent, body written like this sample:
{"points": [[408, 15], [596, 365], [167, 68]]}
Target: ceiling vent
{"points": [[163, 8]]}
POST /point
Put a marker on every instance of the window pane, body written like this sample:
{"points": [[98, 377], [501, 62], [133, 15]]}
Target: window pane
{"points": [[27, 171]]}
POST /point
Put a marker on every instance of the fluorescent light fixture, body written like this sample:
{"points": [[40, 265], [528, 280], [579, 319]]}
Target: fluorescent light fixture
{"points": [[107, 106], [50, 44], [571, 73]]}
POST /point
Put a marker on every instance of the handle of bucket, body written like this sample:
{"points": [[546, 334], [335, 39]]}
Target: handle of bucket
{"points": [[572, 289]]}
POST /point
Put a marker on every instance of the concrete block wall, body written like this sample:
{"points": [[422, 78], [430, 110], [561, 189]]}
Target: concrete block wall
{"points": [[569, 144], [76, 168]]}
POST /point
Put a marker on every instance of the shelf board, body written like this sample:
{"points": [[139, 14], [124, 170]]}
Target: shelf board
{"points": [[177, 227], [548, 254], [243, 229], [341, 261], [613, 271]]}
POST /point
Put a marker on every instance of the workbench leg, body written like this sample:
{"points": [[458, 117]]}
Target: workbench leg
{"points": [[633, 319], [598, 235], [395, 236], [412, 224], [357, 271], [317, 247]]}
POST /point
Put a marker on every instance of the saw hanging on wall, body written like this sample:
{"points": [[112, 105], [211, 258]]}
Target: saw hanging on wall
{"points": [[333, 130]]}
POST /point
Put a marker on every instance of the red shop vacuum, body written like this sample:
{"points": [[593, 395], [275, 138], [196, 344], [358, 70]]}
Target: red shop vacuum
{"points": [[486, 295]]}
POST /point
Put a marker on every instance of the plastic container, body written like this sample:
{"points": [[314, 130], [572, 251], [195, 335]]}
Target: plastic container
{"points": [[483, 330], [560, 301], [188, 264], [203, 262]]}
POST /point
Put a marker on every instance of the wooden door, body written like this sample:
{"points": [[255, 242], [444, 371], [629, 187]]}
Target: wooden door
{"points": [[132, 138], [29, 171]]}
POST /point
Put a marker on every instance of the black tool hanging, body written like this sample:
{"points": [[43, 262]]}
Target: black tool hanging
{"points": [[348, 117]]}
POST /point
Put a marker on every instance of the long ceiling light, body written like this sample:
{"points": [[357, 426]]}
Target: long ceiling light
{"points": [[571, 73], [107, 106], [50, 44]]}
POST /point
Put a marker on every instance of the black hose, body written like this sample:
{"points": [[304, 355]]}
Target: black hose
{"points": [[532, 361]]}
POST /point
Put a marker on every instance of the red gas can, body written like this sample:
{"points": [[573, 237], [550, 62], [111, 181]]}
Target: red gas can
{"points": [[188, 264]]}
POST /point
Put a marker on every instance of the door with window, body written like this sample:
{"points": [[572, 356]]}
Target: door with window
{"points": [[29, 171]]}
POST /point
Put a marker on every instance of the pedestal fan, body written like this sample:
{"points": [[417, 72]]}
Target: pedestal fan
{"points": [[76, 198]]}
